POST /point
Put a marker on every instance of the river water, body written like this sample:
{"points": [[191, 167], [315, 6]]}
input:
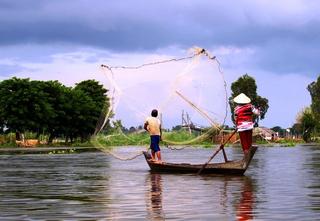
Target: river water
{"points": [[280, 184]]}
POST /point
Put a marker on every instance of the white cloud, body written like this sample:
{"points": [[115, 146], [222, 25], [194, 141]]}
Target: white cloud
{"points": [[287, 93]]}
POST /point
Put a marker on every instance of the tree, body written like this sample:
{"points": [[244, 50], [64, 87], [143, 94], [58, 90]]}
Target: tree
{"points": [[57, 97], [101, 102], [99, 107], [51, 108], [247, 85], [314, 90], [308, 123], [95, 91], [82, 122], [281, 131], [23, 105], [176, 128], [309, 119], [297, 129]]}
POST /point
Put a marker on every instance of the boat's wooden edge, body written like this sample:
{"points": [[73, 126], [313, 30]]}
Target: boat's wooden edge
{"points": [[147, 155], [248, 157], [240, 165]]}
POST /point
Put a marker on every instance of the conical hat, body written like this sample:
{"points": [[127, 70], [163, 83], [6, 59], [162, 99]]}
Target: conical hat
{"points": [[242, 99]]}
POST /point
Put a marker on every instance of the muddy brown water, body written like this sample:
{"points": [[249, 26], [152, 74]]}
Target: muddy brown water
{"points": [[281, 184]]}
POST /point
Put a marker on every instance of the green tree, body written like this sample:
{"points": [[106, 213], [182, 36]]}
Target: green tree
{"points": [[51, 108], [176, 128], [247, 85], [41, 110], [22, 104], [118, 126], [81, 122], [57, 98], [281, 131], [297, 129], [310, 117], [308, 123], [95, 91], [100, 105], [314, 90]]}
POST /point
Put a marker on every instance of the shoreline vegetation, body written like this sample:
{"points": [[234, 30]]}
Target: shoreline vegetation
{"points": [[118, 139], [50, 114]]}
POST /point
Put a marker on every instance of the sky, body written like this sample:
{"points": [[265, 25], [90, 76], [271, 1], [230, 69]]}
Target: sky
{"points": [[276, 42]]}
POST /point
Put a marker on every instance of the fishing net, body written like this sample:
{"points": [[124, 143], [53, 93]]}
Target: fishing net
{"points": [[189, 93]]}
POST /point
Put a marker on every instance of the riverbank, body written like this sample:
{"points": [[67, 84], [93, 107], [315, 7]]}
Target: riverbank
{"points": [[172, 138], [46, 150], [92, 148]]}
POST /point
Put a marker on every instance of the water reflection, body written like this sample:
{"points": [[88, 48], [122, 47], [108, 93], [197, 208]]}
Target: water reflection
{"points": [[154, 197], [245, 207], [225, 196], [281, 184]]}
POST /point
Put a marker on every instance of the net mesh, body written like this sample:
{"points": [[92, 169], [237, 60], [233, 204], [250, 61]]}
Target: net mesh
{"points": [[188, 92]]}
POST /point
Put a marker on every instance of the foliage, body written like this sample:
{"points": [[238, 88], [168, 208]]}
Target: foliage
{"points": [[247, 85], [281, 131], [314, 90], [177, 128], [142, 138], [7, 140], [308, 123], [101, 102], [69, 151], [58, 98], [121, 139], [286, 142], [48, 107], [21, 105], [296, 129], [179, 136]]}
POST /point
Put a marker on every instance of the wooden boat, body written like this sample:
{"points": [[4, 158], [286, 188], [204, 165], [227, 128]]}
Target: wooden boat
{"points": [[231, 167]]}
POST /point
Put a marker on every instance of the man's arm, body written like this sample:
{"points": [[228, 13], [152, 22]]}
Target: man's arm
{"points": [[145, 126]]}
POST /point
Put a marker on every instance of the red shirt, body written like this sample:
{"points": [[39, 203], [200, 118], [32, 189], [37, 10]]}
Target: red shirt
{"points": [[244, 116]]}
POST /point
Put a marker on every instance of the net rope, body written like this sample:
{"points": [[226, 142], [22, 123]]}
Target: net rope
{"points": [[116, 90]]}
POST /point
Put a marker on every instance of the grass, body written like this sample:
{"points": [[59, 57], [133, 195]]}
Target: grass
{"points": [[173, 138], [121, 139], [181, 137]]}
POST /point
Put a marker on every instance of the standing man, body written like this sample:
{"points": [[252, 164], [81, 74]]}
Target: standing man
{"points": [[153, 126], [244, 112]]}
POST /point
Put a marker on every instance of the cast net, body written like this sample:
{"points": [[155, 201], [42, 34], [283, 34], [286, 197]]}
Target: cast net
{"points": [[188, 92]]}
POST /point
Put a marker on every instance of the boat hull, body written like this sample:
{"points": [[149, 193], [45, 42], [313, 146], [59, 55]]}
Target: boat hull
{"points": [[230, 167]]}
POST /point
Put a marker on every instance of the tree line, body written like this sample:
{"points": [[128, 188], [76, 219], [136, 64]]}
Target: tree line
{"points": [[307, 123], [50, 108], [308, 120]]}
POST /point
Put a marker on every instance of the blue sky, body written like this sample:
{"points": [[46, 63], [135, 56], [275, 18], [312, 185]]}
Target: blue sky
{"points": [[276, 42]]}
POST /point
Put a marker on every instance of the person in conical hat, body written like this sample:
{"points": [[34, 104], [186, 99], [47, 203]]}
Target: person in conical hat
{"points": [[243, 115], [242, 99]]}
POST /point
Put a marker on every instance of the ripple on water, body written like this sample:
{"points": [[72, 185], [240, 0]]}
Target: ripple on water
{"points": [[281, 184]]}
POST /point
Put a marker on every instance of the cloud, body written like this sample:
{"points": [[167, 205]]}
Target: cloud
{"points": [[68, 40], [281, 33], [287, 94]]}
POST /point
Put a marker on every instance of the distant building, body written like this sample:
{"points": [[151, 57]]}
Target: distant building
{"points": [[265, 133]]}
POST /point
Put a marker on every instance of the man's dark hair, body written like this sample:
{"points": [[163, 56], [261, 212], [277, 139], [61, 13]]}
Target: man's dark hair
{"points": [[154, 113]]}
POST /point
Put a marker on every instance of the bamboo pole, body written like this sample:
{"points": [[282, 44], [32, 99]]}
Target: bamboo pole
{"points": [[217, 151]]}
